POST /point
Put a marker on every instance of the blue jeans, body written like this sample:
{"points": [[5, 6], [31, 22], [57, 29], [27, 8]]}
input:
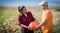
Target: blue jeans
{"points": [[26, 31]]}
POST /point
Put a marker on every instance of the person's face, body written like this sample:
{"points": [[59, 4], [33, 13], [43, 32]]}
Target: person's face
{"points": [[24, 10], [44, 6]]}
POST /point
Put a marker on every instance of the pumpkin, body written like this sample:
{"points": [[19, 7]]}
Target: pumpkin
{"points": [[32, 25], [5, 23], [14, 29], [14, 23]]}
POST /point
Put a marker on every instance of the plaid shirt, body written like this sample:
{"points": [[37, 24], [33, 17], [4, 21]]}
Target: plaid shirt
{"points": [[26, 20]]}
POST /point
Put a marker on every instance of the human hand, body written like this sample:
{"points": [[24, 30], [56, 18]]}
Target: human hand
{"points": [[36, 28]]}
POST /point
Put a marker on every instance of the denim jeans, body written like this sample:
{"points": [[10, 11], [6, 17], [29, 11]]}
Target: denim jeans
{"points": [[26, 31]]}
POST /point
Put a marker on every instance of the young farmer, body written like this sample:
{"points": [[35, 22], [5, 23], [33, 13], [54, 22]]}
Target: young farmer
{"points": [[47, 19], [24, 18]]}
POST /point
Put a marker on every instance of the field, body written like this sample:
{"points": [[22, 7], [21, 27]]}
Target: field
{"points": [[9, 15]]}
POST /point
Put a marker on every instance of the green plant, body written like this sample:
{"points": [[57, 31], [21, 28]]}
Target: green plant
{"points": [[57, 9], [56, 27]]}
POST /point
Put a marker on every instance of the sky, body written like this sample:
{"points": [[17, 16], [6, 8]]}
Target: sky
{"points": [[27, 2]]}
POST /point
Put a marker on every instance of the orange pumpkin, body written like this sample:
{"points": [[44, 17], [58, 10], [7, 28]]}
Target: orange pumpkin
{"points": [[14, 29], [14, 23], [11, 18], [5, 23], [32, 25]]}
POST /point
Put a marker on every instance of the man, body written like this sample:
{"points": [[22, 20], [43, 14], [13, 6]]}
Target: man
{"points": [[47, 19]]}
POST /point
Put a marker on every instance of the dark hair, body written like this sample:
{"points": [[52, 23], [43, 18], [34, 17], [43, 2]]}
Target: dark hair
{"points": [[21, 8]]}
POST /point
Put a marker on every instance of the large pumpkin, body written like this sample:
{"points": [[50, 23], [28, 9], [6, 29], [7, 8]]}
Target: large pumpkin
{"points": [[32, 25]]}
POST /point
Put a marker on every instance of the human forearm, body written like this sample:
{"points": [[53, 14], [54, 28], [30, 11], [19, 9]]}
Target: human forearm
{"points": [[43, 23], [22, 25]]}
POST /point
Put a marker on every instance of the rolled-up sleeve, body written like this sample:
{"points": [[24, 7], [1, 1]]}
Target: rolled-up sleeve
{"points": [[19, 20]]}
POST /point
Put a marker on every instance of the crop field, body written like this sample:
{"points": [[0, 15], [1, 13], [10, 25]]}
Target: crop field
{"points": [[9, 16]]}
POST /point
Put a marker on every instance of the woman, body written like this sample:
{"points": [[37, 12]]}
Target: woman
{"points": [[47, 19], [25, 18]]}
